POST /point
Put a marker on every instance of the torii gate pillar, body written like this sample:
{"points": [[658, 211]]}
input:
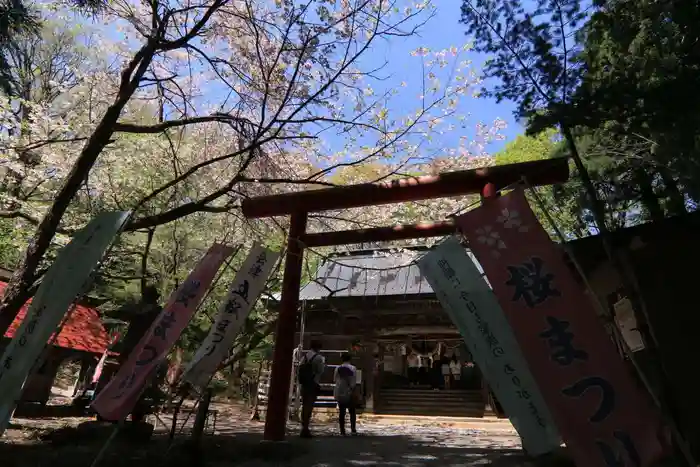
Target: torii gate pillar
{"points": [[281, 375]]}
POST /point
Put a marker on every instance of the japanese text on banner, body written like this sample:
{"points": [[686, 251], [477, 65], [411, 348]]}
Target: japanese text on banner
{"points": [[595, 402], [467, 298], [245, 290], [117, 399]]}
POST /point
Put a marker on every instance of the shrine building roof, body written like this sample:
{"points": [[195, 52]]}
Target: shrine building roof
{"points": [[379, 273], [367, 273]]}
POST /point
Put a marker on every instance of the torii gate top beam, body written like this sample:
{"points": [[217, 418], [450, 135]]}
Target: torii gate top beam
{"points": [[543, 172]]}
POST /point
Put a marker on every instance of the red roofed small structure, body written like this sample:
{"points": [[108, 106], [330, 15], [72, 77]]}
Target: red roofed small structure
{"points": [[83, 331], [83, 338]]}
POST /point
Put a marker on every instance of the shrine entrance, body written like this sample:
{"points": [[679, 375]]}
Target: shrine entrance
{"points": [[388, 318], [486, 181], [421, 362]]}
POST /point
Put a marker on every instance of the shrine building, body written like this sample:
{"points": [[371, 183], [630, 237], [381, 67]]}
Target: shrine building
{"points": [[383, 311]]}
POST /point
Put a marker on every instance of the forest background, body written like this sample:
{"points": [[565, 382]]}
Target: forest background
{"points": [[178, 110]]}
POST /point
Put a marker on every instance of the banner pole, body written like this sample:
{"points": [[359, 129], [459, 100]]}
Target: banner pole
{"points": [[120, 424], [682, 444], [107, 444]]}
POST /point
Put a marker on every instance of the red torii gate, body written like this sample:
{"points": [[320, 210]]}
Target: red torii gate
{"points": [[487, 181]]}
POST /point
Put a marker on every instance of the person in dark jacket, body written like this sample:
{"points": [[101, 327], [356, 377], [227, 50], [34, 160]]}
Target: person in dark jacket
{"points": [[310, 389]]}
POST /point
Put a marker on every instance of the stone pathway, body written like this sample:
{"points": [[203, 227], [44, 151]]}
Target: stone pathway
{"points": [[385, 442], [237, 442], [401, 446]]}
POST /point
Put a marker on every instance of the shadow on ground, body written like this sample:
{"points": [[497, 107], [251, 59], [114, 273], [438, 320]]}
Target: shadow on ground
{"points": [[68, 448], [391, 451]]}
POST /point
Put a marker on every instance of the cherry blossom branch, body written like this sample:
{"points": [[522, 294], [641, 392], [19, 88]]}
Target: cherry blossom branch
{"points": [[16, 214], [123, 127]]}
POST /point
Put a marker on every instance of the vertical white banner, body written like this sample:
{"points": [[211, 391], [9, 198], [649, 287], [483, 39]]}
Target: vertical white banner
{"points": [[244, 291], [474, 309], [63, 281]]}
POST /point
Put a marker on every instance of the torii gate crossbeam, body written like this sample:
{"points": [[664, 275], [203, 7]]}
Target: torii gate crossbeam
{"points": [[486, 181]]}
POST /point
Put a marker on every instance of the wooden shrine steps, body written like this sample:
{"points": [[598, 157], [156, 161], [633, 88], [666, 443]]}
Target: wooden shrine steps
{"points": [[426, 402]]}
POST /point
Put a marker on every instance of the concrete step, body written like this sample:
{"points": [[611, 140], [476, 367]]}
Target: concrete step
{"points": [[441, 397], [431, 403], [431, 411], [467, 422], [429, 391], [427, 402]]}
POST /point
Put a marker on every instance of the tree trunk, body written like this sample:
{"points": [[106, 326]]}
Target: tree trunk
{"points": [[237, 369], [676, 200], [16, 293], [252, 343], [599, 215], [648, 197], [175, 367]]}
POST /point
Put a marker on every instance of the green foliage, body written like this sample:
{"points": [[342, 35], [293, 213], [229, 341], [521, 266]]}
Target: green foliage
{"points": [[11, 241], [530, 50], [642, 65], [619, 78], [559, 202], [527, 148]]}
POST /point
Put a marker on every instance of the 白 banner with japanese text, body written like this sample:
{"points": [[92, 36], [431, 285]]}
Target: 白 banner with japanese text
{"points": [[603, 416], [120, 395], [473, 308], [59, 287], [244, 291]]}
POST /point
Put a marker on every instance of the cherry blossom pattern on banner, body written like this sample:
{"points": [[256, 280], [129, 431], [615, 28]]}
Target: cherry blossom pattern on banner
{"points": [[492, 238]]}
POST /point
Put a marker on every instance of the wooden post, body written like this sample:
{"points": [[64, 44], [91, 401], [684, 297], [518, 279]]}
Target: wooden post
{"points": [[489, 191], [368, 376], [200, 420], [256, 394], [378, 370], [278, 398], [173, 426]]}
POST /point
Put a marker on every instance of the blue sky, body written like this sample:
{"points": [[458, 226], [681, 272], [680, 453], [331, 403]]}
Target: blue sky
{"points": [[442, 31]]}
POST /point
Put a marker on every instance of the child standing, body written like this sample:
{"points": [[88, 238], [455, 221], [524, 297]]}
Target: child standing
{"points": [[345, 378]]}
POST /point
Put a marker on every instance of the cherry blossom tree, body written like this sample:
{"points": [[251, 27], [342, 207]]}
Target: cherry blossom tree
{"points": [[205, 103]]}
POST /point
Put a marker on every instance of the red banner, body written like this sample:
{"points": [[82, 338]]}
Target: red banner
{"points": [[120, 395], [101, 363], [603, 417]]}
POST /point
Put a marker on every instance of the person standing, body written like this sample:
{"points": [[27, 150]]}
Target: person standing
{"points": [[413, 361], [435, 372], [310, 371], [445, 370], [456, 370], [345, 378]]}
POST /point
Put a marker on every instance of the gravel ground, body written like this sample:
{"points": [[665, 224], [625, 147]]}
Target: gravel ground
{"points": [[238, 442], [403, 445]]}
